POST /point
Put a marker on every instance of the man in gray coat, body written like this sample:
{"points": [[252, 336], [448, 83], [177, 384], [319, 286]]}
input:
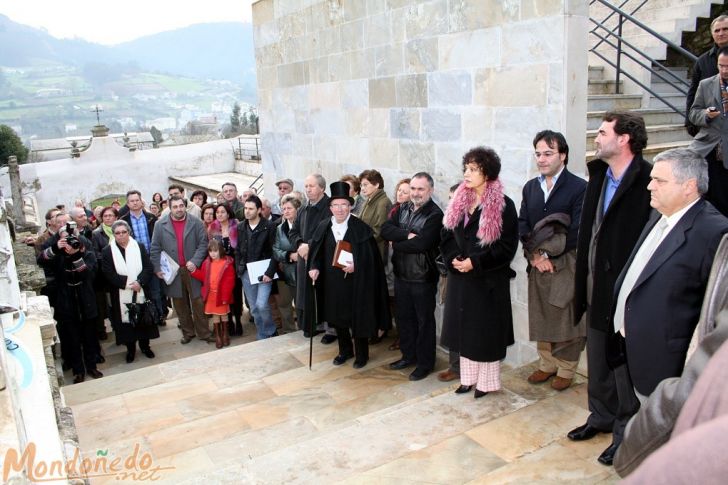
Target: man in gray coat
{"points": [[182, 237], [710, 113]]}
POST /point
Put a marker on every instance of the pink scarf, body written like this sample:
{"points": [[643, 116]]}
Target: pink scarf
{"points": [[492, 203]]}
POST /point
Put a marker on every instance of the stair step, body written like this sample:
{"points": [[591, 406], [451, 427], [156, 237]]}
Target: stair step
{"points": [[661, 87], [656, 116], [596, 73], [676, 99], [609, 102], [655, 134], [603, 86]]}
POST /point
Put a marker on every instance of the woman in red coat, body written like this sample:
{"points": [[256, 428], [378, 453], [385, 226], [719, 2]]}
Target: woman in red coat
{"points": [[217, 274]]}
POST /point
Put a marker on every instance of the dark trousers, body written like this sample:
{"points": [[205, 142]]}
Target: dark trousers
{"points": [[612, 400], [717, 183], [81, 346], [414, 307], [359, 349], [236, 307], [143, 345]]}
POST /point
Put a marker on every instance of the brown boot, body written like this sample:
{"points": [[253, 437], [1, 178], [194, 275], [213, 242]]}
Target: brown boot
{"points": [[225, 334], [218, 335]]}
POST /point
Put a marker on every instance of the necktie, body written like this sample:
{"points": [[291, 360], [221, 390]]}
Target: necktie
{"points": [[643, 256]]}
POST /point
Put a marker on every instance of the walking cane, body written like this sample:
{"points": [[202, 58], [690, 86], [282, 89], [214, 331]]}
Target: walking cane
{"points": [[314, 322]]}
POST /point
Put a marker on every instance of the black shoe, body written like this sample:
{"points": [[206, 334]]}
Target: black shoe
{"points": [[607, 456], [585, 432], [77, 378], [238, 329], [358, 364], [130, 356], [479, 394], [103, 336], [328, 339], [148, 353], [308, 334], [65, 366], [162, 322], [400, 364], [463, 389], [94, 373], [185, 340], [100, 359], [419, 374], [340, 359]]}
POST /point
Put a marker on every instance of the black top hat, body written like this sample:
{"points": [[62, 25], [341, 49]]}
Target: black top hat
{"points": [[340, 190]]}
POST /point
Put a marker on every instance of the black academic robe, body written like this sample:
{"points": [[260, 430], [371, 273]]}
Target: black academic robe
{"points": [[365, 291]]}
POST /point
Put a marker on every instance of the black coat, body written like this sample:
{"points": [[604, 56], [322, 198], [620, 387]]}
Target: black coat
{"points": [[307, 220], [75, 297], [99, 240], [567, 197], [126, 333], [478, 321], [616, 236], [258, 248], [663, 307], [414, 259], [369, 297]]}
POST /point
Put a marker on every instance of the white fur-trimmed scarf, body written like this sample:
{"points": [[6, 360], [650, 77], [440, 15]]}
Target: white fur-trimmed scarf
{"points": [[491, 204]]}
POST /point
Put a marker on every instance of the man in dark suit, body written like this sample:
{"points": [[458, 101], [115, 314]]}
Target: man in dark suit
{"points": [[660, 291], [616, 208], [710, 112]]}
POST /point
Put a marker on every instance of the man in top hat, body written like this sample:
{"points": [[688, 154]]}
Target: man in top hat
{"points": [[354, 292]]}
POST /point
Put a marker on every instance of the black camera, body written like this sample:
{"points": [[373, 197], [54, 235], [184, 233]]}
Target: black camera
{"points": [[71, 239]]}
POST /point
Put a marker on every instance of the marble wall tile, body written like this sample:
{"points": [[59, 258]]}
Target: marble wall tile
{"points": [[375, 7], [383, 152], [354, 94], [534, 41], [449, 88], [449, 163], [378, 29], [357, 123], [477, 125], [389, 60], [352, 34], [477, 14], [339, 67], [426, 19], [441, 125], [421, 55], [382, 93], [405, 123], [361, 63], [411, 90], [354, 9], [512, 86], [415, 156], [262, 12], [286, 7], [478, 48], [352, 150]]}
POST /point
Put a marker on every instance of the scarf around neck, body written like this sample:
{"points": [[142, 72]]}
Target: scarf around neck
{"points": [[130, 267], [491, 203]]}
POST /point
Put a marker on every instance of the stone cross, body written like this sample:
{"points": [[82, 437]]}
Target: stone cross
{"points": [[97, 109]]}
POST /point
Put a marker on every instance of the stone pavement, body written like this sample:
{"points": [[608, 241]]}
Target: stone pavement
{"points": [[254, 413]]}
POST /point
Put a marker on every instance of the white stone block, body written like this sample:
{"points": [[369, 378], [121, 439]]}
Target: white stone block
{"points": [[361, 63], [411, 90], [354, 94], [421, 55], [303, 145], [339, 68], [441, 125], [383, 152], [352, 35], [426, 19], [449, 88], [416, 156], [375, 7], [352, 150], [354, 9], [448, 163], [378, 30], [324, 147], [357, 122], [477, 125], [324, 95], [388, 60], [534, 41], [520, 85], [478, 14], [405, 123], [328, 122], [286, 7], [379, 123], [480, 48]]}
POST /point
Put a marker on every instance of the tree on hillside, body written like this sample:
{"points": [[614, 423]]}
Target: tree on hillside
{"points": [[157, 135], [10, 144], [235, 122]]}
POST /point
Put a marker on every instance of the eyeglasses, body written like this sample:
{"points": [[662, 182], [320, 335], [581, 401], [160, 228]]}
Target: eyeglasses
{"points": [[119, 233]]}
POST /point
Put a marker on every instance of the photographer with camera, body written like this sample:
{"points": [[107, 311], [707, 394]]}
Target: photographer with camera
{"points": [[69, 257]]}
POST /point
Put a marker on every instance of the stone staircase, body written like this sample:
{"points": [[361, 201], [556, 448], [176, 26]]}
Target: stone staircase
{"points": [[664, 127], [255, 413]]}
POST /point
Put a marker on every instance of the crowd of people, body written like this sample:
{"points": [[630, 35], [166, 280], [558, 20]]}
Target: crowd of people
{"points": [[617, 264]]}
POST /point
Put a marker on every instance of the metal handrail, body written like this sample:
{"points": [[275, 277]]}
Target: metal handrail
{"points": [[611, 14], [621, 43]]}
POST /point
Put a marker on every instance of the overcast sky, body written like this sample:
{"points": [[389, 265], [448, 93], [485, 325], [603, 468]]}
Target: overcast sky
{"points": [[120, 21]]}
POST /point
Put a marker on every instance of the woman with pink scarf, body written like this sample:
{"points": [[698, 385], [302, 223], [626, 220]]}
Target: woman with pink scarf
{"points": [[479, 241]]}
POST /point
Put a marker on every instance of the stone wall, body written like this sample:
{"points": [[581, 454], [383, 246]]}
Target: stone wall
{"points": [[409, 85]]}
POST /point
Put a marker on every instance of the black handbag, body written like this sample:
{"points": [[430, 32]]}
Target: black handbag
{"points": [[142, 314]]}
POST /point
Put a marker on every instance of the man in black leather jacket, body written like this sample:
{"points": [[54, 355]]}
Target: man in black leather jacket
{"points": [[414, 232]]}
